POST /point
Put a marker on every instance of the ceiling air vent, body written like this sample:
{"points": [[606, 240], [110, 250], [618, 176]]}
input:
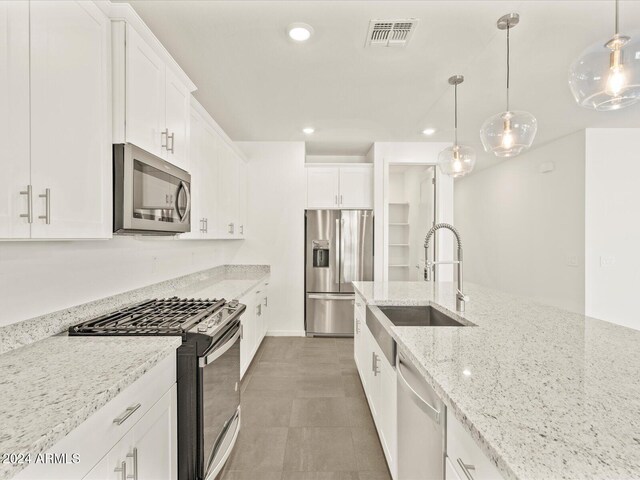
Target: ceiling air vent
{"points": [[390, 33]]}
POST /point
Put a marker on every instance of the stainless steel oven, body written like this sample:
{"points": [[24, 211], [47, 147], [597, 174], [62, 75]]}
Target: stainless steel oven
{"points": [[219, 413], [150, 196]]}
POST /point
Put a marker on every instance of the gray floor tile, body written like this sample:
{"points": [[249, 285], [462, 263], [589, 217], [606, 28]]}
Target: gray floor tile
{"points": [[261, 386], [352, 385], [251, 475], [369, 454], [277, 369], [320, 449], [320, 476], [266, 411], [319, 412], [374, 476], [358, 412], [320, 386], [259, 449]]}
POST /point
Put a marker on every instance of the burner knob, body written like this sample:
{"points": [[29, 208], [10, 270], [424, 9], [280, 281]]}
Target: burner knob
{"points": [[202, 327]]}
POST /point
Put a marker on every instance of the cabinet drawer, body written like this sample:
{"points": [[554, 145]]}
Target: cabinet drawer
{"points": [[464, 454], [94, 437]]}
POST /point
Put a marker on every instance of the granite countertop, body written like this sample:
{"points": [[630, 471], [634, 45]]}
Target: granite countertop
{"points": [[551, 394], [48, 386]]}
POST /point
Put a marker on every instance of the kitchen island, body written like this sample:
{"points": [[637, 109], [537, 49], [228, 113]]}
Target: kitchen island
{"points": [[545, 393]]}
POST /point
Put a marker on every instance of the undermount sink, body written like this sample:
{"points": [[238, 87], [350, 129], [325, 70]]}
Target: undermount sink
{"points": [[419, 316]]}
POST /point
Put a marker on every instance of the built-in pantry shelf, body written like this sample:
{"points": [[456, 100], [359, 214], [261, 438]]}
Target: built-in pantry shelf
{"points": [[398, 266], [398, 244], [398, 224]]}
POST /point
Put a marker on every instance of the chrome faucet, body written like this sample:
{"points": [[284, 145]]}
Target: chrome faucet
{"points": [[429, 266]]}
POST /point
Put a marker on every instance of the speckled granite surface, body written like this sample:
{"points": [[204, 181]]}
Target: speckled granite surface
{"points": [[551, 394], [232, 282], [42, 398]]}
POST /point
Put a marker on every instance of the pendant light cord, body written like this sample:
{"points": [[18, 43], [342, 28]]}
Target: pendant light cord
{"points": [[455, 115], [508, 28], [617, 29]]}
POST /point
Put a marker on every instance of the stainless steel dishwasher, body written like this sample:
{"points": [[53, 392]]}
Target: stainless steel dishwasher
{"points": [[421, 426]]}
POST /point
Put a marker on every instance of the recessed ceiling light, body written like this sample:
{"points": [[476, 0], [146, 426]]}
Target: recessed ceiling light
{"points": [[428, 131], [308, 130], [299, 32], [466, 372]]}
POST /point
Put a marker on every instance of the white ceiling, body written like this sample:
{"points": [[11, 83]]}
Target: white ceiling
{"points": [[260, 86]]}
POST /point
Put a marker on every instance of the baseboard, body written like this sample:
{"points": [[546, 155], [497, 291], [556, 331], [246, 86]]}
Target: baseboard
{"points": [[285, 333]]}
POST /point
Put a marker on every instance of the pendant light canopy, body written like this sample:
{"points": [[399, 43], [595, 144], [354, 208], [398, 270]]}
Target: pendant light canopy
{"points": [[456, 160], [508, 133], [607, 75]]}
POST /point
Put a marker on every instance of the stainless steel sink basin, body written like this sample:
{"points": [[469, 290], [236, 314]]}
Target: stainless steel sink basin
{"points": [[419, 316]]}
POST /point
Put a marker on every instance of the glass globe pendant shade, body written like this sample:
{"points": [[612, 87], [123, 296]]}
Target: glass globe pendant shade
{"points": [[457, 160], [607, 75], [508, 134]]}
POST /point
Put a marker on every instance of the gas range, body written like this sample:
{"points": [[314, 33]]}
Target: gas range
{"points": [[208, 371]]}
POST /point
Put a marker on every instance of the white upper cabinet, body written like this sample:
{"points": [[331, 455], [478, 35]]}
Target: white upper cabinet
{"points": [[144, 92], [151, 103], [218, 181], [349, 186], [56, 129], [323, 186], [70, 128], [356, 187], [14, 120]]}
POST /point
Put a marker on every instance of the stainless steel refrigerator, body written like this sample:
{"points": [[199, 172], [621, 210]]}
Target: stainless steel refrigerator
{"points": [[338, 250]]}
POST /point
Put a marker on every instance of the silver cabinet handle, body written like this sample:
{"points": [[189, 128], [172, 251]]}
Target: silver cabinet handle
{"points": [[206, 225], [336, 201], [29, 193], [376, 370], [134, 456], [266, 301], [202, 225], [127, 413], [259, 310], [173, 141], [164, 134], [122, 469], [466, 467], [231, 228], [241, 229], [47, 206], [340, 199], [357, 325]]}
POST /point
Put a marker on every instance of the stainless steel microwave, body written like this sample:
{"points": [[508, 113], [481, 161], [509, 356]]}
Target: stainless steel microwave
{"points": [[150, 196]]}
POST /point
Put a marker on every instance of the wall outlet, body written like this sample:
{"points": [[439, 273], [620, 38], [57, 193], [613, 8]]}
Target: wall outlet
{"points": [[607, 261], [572, 261]]}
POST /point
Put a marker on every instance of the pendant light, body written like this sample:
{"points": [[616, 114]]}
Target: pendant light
{"points": [[607, 76], [509, 133], [456, 160]]}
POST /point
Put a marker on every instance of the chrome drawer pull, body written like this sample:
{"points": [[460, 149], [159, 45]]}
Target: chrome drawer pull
{"points": [[29, 193], [123, 469], [127, 413], [465, 468], [134, 456], [47, 208], [164, 143]]}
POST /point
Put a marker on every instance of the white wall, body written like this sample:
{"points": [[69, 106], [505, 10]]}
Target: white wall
{"points": [[43, 277], [522, 230], [613, 225], [275, 235]]}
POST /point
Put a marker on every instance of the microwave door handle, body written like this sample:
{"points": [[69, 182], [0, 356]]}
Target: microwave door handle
{"points": [[185, 187]]}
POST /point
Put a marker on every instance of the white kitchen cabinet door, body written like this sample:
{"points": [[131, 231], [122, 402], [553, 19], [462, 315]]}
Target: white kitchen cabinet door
{"points": [[178, 107], [145, 95], [155, 440], [248, 339], [70, 120], [323, 187], [356, 187], [209, 169], [14, 119], [387, 420], [228, 186], [242, 199], [195, 144], [115, 465]]}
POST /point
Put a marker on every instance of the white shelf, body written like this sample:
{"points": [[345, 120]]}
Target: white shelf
{"points": [[398, 244], [399, 203], [398, 224], [398, 266]]}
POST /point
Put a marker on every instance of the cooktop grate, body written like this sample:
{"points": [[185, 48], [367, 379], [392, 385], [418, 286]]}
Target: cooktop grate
{"points": [[169, 316]]}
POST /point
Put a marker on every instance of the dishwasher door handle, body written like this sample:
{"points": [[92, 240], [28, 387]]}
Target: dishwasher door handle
{"points": [[425, 406]]}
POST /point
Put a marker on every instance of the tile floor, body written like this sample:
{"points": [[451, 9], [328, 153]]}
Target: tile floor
{"points": [[305, 416]]}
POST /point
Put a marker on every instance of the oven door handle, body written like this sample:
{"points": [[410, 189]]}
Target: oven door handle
{"points": [[218, 352]]}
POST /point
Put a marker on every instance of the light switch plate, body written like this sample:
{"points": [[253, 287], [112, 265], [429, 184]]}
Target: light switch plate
{"points": [[607, 260]]}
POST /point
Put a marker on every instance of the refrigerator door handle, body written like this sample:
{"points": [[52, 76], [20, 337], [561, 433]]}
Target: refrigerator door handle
{"points": [[329, 296], [341, 273], [338, 254]]}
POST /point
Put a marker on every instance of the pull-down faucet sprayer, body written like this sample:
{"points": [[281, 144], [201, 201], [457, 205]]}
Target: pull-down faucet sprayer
{"points": [[429, 266]]}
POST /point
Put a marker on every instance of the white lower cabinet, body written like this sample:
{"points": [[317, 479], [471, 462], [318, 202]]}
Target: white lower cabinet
{"points": [[255, 323], [134, 432], [379, 381], [464, 455]]}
